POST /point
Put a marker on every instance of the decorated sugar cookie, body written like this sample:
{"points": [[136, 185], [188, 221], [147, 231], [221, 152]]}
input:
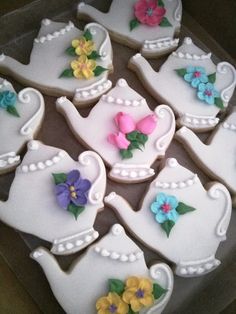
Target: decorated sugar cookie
{"points": [[120, 282], [149, 26], [66, 61], [180, 219], [217, 156], [191, 84], [124, 131], [65, 196], [21, 116]]}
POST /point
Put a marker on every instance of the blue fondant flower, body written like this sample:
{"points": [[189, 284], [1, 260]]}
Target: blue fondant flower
{"points": [[73, 190], [207, 93], [195, 76], [164, 208], [7, 99]]}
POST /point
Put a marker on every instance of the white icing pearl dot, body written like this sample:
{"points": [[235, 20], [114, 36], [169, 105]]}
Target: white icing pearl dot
{"points": [[79, 242], [171, 162], [48, 163], [40, 165], [122, 83], [123, 258], [97, 249], [69, 246], [88, 238], [56, 159], [188, 41], [33, 145], [117, 229], [32, 167], [95, 235], [46, 22]]}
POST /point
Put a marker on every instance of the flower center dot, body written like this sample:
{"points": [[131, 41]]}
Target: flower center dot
{"points": [[197, 74], [149, 11], [139, 293], [72, 188], [166, 208], [208, 92], [112, 308]]}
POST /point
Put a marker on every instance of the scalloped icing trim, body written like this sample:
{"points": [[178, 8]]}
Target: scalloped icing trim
{"points": [[229, 126], [93, 90], [124, 102], [179, 184], [190, 56], [56, 34], [198, 121], [160, 44], [122, 257], [130, 171], [8, 159], [74, 243], [41, 165]]}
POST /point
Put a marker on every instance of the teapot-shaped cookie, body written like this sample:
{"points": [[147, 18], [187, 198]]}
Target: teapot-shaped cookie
{"points": [[66, 61], [127, 22], [55, 197], [180, 219], [190, 83], [107, 267], [217, 156], [20, 119], [124, 131]]}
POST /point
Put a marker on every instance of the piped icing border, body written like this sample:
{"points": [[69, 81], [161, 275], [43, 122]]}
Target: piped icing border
{"points": [[224, 68], [131, 171], [41, 165], [8, 159], [198, 121], [190, 56], [179, 184], [97, 88], [160, 44], [229, 126], [71, 244], [122, 257], [56, 34]]}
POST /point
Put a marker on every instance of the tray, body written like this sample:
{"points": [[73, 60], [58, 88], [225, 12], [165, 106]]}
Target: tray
{"points": [[210, 294]]}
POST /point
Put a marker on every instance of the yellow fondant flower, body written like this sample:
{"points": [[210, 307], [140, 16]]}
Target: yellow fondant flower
{"points": [[83, 46], [83, 67], [138, 293], [111, 304]]}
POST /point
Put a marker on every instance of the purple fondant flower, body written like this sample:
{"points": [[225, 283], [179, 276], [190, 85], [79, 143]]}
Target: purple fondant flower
{"points": [[73, 190]]}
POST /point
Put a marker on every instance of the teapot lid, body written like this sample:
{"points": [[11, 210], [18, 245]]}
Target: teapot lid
{"points": [[178, 176], [40, 156], [189, 51], [116, 245]]}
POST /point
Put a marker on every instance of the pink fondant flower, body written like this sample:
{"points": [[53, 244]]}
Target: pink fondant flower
{"points": [[147, 124], [148, 12], [124, 122], [119, 140]]}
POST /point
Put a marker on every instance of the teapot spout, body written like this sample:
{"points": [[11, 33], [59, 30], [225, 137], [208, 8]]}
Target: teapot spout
{"points": [[76, 122], [10, 66], [196, 148], [143, 69], [90, 12], [121, 207], [50, 267]]}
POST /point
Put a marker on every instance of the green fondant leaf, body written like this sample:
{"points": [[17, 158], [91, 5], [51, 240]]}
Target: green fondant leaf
{"points": [[134, 145], [94, 55], [142, 138], [181, 72], [71, 51], [126, 153], [167, 226], [132, 135], [219, 103], [12, 110], [88, 35], [133, 24], [165, 22], [75, 210], [212, 78], [67, 73], [99, 70], [161, 3], [116, 285], [59, 178], [131, 311], [183, 208], [158, 291]]}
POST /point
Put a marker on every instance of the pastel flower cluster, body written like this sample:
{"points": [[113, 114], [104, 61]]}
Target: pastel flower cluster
{"points": [[71, 191], [8, 102], [131, 135], [129, 297], [203, 83], [85, 66], [167, 210], [149, 12]]}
